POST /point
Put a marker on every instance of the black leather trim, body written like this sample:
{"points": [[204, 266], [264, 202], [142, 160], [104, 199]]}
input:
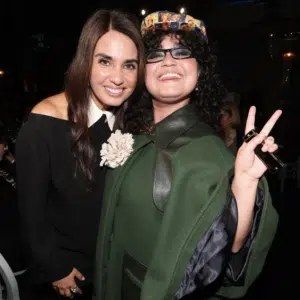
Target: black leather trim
{"points": [[213, 264], [175, 131], [208, 263]]}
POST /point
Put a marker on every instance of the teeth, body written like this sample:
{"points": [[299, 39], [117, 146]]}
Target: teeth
{"points": [[114, 91], [170, 75]]}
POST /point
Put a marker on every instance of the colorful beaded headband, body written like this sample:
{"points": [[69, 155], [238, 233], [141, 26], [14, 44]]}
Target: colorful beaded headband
{"points": [[170, 21]]}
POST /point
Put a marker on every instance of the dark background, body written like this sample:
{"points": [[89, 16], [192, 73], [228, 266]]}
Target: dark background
{"points": [[38, 40]]}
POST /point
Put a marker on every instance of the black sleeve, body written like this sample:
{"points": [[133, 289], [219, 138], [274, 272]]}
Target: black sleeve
{"points": [[210, 259], [213, 264], [237, 265], [33, 181]]}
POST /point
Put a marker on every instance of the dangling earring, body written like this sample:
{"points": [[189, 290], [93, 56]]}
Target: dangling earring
{"points": [[197, 85], [197, 89]]}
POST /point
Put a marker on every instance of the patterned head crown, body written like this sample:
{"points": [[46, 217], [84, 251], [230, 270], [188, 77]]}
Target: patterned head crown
{"points": [[170, 21]]}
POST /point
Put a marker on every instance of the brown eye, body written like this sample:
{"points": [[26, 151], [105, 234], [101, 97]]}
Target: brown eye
{"points": [[104, 62], [130, 66]]}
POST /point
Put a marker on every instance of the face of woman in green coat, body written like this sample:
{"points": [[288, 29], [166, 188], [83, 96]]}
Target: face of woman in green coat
{"points": [[171, 78]]}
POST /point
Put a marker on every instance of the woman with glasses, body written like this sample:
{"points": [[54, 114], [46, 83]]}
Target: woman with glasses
{"points": [[180, 220]]}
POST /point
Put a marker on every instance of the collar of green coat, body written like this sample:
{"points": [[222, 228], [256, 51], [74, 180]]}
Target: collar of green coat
{"points": [[140, 140], [175, 125]]}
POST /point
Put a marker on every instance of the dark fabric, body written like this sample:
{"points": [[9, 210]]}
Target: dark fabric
{"points": [[212, 253], [8, 172], [7, 178], [162, 178], [170, 134], [59, 212], [8, 166], [236, 270], [179, 127], [10, 235]]}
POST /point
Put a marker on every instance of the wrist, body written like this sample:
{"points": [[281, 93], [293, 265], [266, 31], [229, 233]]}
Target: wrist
{"points": [[244, 182]]}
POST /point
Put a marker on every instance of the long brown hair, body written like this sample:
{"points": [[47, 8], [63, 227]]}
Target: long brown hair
{"points": [[78, 78]]}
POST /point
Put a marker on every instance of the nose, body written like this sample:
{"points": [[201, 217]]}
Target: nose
{"points": [[169, 60], [116, 76]]}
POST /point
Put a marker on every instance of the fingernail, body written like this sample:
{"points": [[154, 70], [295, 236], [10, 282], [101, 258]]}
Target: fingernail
{"points": [[82, 278]]}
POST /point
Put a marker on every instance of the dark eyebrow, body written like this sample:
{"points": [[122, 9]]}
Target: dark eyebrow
{"points": [[103, 55], [133, 60]]}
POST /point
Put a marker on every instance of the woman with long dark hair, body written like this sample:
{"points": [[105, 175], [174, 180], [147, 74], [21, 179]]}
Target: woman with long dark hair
{"points": [[60, 182], [180, 218]]}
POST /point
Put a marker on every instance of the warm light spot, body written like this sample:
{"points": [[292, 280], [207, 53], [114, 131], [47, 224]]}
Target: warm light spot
{"points": [[289, 55], [182, 10]]}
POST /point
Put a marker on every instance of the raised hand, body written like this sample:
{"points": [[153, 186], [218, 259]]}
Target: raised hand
{"points": [[247, 164]]}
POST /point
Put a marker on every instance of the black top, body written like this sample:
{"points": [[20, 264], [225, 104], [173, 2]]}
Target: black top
{"points": [[10, 243], [59, 212]]}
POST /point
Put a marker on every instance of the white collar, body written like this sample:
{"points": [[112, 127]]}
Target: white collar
{"points": [[95, 113]]}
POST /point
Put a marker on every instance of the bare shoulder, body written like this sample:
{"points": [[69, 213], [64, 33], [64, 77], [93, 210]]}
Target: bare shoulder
{"points": [[54, 106]]}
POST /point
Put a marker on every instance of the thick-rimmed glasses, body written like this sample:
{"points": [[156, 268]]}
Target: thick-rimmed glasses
{"points": [[158, 55]]}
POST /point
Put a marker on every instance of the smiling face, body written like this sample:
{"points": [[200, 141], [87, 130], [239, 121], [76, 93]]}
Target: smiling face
{"points": [[171, 81], [114, 69]]}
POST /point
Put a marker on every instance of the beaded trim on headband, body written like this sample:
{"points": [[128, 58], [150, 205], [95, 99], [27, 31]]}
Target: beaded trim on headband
{"points": [[170, 21]]}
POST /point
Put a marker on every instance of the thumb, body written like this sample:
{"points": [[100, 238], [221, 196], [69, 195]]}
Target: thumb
{"points": [[78, 275]]}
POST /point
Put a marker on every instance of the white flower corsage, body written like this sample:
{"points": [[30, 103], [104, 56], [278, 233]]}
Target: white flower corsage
{"points": [[115, 152]]}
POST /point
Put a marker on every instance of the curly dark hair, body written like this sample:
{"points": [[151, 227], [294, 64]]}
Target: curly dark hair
{"points": [[207, 98]]}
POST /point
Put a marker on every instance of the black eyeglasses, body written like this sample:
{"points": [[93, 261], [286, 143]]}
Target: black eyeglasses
{"points": [[158, 55]]}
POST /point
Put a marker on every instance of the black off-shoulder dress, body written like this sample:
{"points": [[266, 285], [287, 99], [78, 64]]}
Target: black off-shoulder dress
{"points": [[59, 211]]}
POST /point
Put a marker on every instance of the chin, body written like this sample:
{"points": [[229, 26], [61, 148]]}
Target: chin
{"points": [[177, 99], [171, 97], [114, 102]]}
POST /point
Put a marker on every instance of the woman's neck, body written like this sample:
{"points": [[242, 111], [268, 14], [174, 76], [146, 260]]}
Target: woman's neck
{"points": [[163, 110]]}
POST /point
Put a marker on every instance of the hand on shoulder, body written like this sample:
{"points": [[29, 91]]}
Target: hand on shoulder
{"points": [[53, 106]]}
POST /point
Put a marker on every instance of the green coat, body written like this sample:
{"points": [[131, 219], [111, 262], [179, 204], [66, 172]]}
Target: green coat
{"points": [[191, 170]]}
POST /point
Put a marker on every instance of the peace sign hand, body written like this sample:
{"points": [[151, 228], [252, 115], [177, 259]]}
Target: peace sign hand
{"points": [[247, 164]]}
